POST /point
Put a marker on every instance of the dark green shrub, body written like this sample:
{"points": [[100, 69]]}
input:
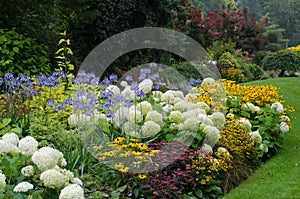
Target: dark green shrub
{"points": [[20, 54], [187, 70], [284, 62]]}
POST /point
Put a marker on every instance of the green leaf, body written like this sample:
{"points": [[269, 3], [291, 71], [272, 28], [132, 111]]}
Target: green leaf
{"points": [[169, 137], [16, 49], [199, 193], [121, 189]]}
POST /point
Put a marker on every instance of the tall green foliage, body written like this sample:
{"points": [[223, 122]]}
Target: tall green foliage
{"points": [[20, 54]]}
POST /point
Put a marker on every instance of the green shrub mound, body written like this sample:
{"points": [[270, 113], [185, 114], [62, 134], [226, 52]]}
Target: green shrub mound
{"points": [[20, 54]]}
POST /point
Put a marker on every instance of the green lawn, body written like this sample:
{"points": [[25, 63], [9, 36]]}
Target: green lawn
{"points": [[280, 176]]}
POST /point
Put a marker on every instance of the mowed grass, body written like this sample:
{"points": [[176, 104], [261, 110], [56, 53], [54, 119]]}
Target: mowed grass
{"points": [[279, 177]]}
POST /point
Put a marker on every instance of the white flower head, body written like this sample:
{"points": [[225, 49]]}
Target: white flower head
{"points": [[114, 89], [11, 138], [190, 124], [23, 187], [207, 81], [176, 116], [256, 136], [28, 145], [245, 124], [207, 149], [146, 85], [251, 107], [144, 107], [155, 116], [203, 105], [223, 150], [284, 118], [2, 182], [4, 147], [168, 108], [264, 148], [54, 179], [212, 135], [27, 171], [284, 128], [168, 97], [47, 158], [135, 116], [218, 119], [77, 181], [150, 129], [72, 191], [278, 106], [124, 84], [131, 128]]}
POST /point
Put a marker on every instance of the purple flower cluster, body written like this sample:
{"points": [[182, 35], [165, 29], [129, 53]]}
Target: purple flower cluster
{"points": [[86, 78], [21, 84], [49, 81]]}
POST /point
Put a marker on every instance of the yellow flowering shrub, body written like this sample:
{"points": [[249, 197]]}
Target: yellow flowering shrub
{"points": [[258, 95], [294, 48], [238, 141], [124, 154]]}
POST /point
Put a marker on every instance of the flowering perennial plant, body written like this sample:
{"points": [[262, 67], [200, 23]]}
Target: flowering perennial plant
{"points": [[34, 172]]}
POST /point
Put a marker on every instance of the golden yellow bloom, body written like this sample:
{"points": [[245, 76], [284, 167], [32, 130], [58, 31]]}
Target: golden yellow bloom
{"points": [[142, 176]]}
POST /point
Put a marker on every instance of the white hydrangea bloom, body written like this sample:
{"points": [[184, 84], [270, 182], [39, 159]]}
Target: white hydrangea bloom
{"points": [[190, 124], [23, 187], [212, 135], [28, 145], [256, 136], [54, 179], [157, 94], [146, 85], [124, 84], [218, 119], [114, 89], [27, 171], [223, 150], [131, 128], [150, 129], [251, 107], [176, 116], [278, 106], [230, 115], [207, 149], [135, 116], [207, 81], [11, 138], [155, 116], [264, 148], [168, 97], [203, 105], [168, 108], [204, 119], [4, 147], [180, 106], [245, 124], [2, 182], [47, 158], [121, 116], [284, 128], [193, 113], [178, 94], [77, 181], [72, 191], [190, 96], [284, 118], [13, 148], [66, 173], [144, 107]]}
